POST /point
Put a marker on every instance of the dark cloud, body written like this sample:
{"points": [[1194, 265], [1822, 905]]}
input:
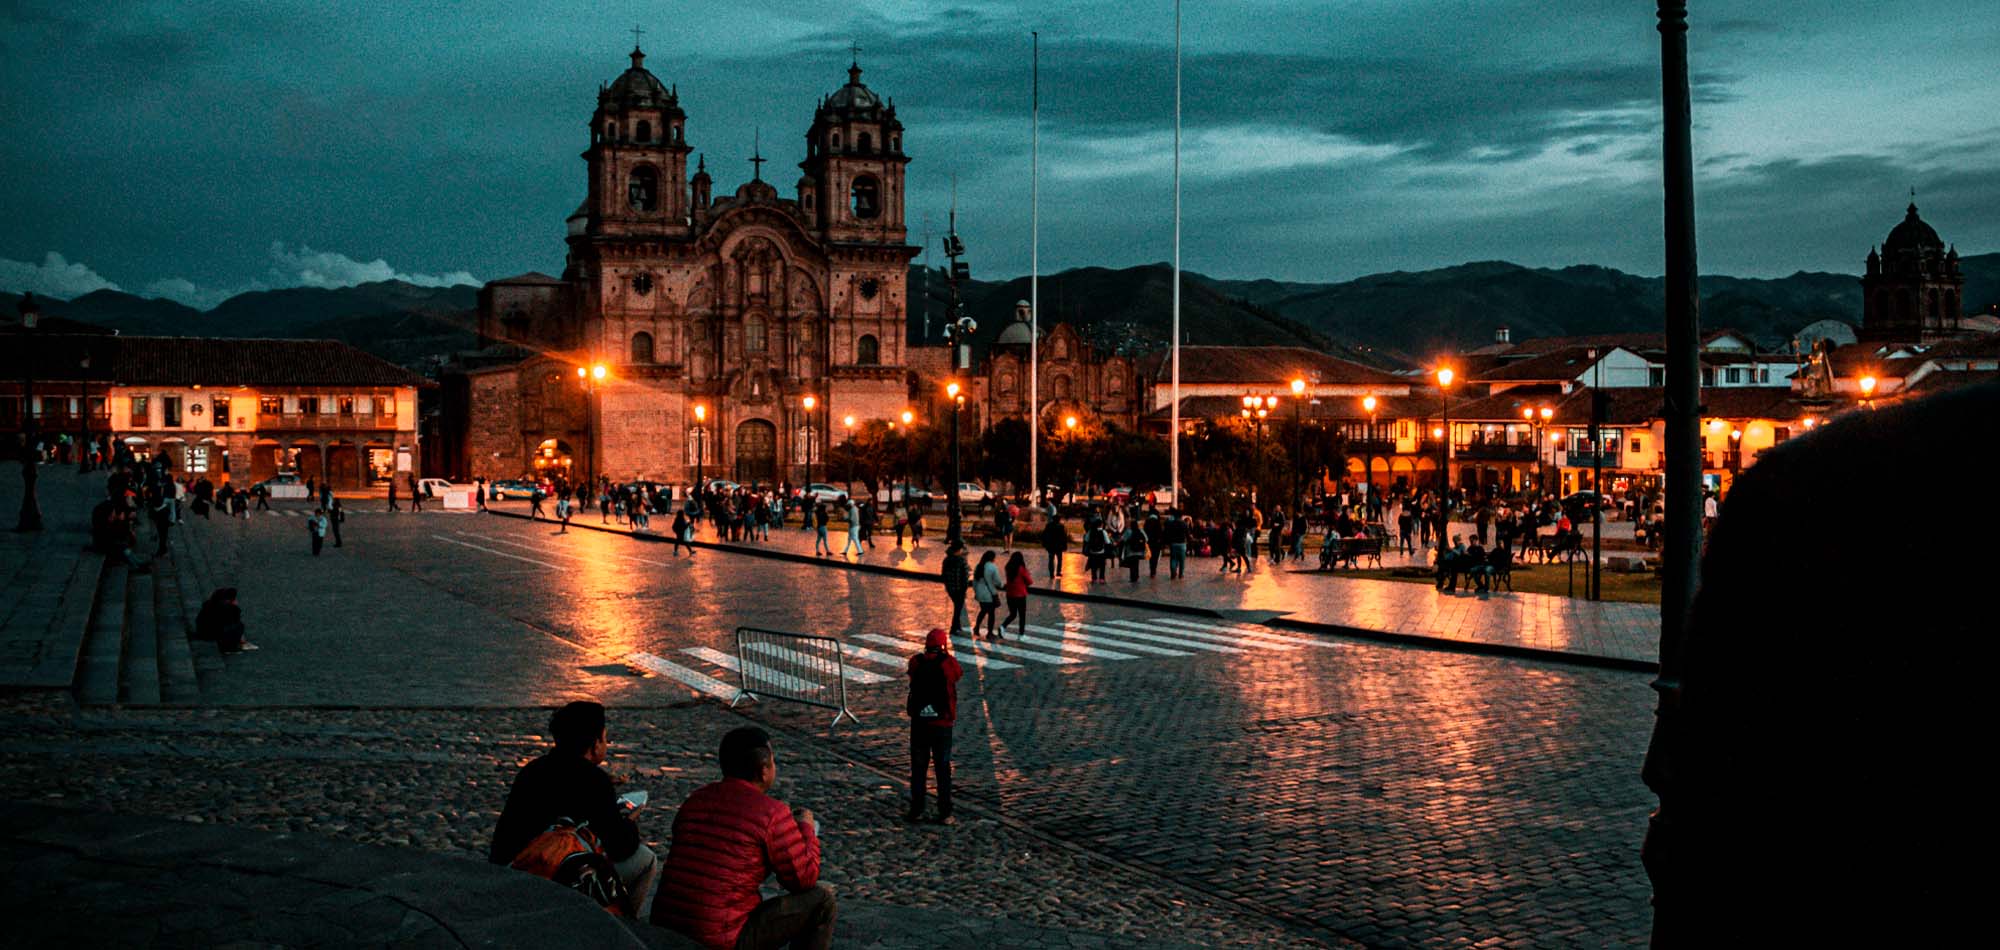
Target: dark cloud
{"points": [[178, 141]]}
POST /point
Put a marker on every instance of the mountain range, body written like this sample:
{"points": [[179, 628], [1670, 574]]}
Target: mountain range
{"points": [[1397, 318]]}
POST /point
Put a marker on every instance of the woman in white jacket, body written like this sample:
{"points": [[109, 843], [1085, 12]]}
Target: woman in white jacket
{"points": [[986, 585]]}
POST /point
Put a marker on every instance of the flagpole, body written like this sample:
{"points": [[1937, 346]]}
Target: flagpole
{"points": [[1174, 430], [1035, 270]]}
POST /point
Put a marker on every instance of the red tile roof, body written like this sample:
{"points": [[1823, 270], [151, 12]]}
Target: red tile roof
{"points": [[1267, 365], [208, 361]]}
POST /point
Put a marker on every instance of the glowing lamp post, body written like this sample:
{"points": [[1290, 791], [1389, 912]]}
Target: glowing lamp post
{"points": [[1368, 404], [1298, 440], [1445, 375], [700, 431], [952, 531]]}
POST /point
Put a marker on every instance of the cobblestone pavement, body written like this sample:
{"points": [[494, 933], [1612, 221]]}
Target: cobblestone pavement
{"points": [[1132, 773], [1620, 631]]}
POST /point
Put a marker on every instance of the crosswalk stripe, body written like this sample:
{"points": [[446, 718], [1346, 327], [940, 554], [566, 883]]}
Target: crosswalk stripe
{"points": [[699, 682], [1062, 644], [1249, 631], [497, 553], [1073, 633], [546, 549], [969, 645], [1184, 632], [778, 678], [1158, 635], [991, 663], [851, 673]]}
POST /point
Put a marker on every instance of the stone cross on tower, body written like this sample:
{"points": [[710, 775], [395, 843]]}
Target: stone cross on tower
{"points": [[855, 49], [636, 31], [757, 158]]}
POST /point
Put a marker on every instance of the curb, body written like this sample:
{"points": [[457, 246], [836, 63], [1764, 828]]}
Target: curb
{"points": [[1302, 626]]}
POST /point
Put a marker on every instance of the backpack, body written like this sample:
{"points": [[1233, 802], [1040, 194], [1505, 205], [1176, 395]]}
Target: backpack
{"points": [[930, 697], [568, 854]]}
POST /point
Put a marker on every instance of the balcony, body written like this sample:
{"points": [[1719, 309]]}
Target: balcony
{"points": [[1371, 446], [1729, 460], [1612, 458], [325, 421], [1495, 451]]}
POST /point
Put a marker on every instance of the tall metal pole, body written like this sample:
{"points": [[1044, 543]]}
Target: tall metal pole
{"points": [[951, 532], [1174, 436], [31, 509], [1680, 563], [1596, 474], [1035, 272], [1444, 480]]}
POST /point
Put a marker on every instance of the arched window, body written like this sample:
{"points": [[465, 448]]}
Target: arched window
{"points": [[642, 347], [644, 191], [895, 142], [753, 334], [866, 198], [866, 351], [836, 140], [644, 133], [863, 143], [611, 131]]}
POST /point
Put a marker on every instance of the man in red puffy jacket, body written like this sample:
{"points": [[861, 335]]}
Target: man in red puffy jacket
{"points": [[728, 837], [933, 708]]}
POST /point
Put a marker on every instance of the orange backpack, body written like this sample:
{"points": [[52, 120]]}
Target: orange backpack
{"points": [[568, 853]]}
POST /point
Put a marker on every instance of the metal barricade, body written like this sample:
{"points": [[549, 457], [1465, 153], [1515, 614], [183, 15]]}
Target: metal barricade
{"points": [[798, 667]]}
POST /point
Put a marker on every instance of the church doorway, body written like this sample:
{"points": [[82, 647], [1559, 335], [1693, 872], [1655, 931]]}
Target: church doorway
{"points": [[553, 459], [757, 453]]}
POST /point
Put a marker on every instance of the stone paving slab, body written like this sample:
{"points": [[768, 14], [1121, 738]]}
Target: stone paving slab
{"points": [[49, 579], [1622, 635]]}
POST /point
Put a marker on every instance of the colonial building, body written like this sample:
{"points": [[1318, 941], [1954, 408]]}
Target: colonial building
{"points": [[1913, 289], [230, 409], [700, 324], [1072, 377]]}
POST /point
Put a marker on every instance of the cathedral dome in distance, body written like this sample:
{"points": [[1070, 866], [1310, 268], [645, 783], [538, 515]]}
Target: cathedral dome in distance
{"points": [[1912, 233], [638, 86]]}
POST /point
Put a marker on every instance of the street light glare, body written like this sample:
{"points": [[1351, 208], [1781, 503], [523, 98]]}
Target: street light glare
{"points": [[581, 372], [849, 420], [809, 402], [1546, 413], [1368, 403], [700, 413], [1445, 375], [1069, 422], [597, 371], [1298, 386], [909, 417], [1867, 385], [951, 389]]}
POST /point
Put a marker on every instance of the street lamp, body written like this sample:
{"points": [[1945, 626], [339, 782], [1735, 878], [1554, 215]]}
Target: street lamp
{"points": [[1298, 440], [591, 376], [1368, 404], [700, 430], [952, 529], [1444, 378], [31, 509], [1868, 391], [808, 402]]}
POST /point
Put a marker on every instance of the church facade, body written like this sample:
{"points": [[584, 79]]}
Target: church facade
{"points": [[730, 333]]}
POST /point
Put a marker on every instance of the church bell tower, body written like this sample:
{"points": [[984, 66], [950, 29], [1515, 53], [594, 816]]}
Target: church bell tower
{"points": [[638, 158], [853, 182]]}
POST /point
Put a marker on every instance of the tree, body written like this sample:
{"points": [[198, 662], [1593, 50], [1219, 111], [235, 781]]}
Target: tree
{"points": [[1003, 453]]}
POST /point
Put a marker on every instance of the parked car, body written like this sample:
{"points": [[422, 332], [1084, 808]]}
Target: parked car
{"points": [[896, 493], [722, 486], [436, 487], [506, 488], [282, 478], [1576, 504], [975, 494], [820, 491], [1118, 494]]}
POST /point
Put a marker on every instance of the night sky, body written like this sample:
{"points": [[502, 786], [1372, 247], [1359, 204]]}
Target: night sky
{"points": [[193, 150]]}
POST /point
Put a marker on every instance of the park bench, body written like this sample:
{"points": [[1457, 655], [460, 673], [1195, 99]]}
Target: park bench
{"points": [[1349, 551]]}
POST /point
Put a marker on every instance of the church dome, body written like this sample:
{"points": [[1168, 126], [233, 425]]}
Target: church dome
{"points": [[1912, 233], [1017, 332], [853, 97], [637, 87]]}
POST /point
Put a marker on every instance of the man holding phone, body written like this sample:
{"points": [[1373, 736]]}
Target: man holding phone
{"points": [[570, 783], [728, 837]]}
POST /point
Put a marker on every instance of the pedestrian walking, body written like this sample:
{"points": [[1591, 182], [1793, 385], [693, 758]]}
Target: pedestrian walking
{"points": [[326, 494], [1096, 547], [562, 512], [986, 584], [535, 496], [316, 527], [1016, 589], [817, 519], [1055, 541], [162, 515], [916, 526], [264, 497], [683, 533], [1132, 548], [416, 494], [956, 578], [1003, 525], [1156, 541], [933, 709], [392, 495], [853, 530], [479, 494], [335, 516], [867, 525], [1174, 532]]}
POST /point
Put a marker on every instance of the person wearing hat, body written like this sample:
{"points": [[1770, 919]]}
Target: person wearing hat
{"points": [[957, 576], [933, 708]]}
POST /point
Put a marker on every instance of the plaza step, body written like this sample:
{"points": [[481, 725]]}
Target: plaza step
{"points": [[51, 610], [139, 661], [178, 680], [97, 675]]}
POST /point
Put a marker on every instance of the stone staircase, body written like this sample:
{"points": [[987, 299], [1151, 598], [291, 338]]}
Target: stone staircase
{"points": [[136, 648]]}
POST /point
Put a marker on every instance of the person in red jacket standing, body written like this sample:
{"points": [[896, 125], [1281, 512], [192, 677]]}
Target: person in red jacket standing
{"points": [[933, 707], [728, 837]]}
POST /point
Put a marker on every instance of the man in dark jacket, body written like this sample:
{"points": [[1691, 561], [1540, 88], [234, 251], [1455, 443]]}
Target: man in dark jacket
{"points": [[933, 708], [728, 837], [569, 782], [1055, 540], [957, 576]]}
